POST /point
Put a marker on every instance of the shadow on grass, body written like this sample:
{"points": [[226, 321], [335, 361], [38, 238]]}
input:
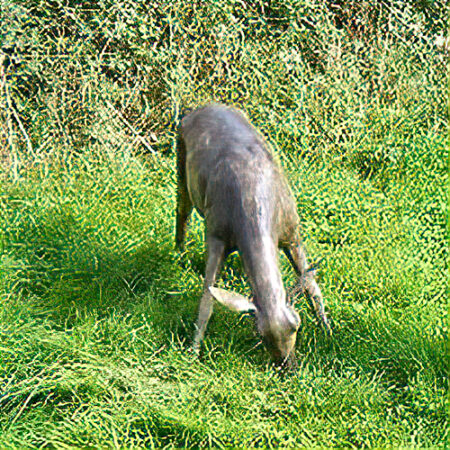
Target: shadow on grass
{"points": [[74, 271], [73, 267]]}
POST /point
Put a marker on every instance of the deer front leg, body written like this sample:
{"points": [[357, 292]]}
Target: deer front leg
{"points": [[215, 251], [308, 285]]}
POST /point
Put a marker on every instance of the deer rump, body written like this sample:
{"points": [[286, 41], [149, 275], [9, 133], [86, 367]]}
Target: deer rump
{"points": [[227, 174]]}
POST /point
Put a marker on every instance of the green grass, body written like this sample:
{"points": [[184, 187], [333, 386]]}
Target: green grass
{"points": [[98, 312], [97, 309]]}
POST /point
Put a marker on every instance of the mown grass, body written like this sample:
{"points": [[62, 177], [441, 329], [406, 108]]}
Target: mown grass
{"points": [[97, 308]]}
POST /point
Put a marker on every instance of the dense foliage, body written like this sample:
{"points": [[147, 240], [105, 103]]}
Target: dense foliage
{"points": [[97, 308]]}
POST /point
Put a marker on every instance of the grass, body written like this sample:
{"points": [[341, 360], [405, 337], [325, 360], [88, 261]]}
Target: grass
{"points": [[97, 308]]}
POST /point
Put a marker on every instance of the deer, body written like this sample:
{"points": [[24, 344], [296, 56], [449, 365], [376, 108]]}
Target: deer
{"points": [[227, 173]]}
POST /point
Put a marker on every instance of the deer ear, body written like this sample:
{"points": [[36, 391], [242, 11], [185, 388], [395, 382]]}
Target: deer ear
{"points": [[232, 300]]}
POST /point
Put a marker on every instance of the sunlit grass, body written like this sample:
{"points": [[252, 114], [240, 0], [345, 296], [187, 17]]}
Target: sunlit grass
{"points": [[98, 315]]}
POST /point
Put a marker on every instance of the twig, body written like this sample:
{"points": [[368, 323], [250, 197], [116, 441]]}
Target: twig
{"points": [[4, 87], [141, 139], [22, 128]]}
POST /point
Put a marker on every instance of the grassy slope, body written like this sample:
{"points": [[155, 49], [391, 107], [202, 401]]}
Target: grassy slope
{"points": [[97, 309]]}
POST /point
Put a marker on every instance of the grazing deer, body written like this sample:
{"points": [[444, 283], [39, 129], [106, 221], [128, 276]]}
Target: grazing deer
{"points": [[228, 175]]}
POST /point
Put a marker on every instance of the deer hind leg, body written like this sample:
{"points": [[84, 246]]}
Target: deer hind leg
{"points": [[215, 250], [184, 208], [184, 205], [307, 283]]}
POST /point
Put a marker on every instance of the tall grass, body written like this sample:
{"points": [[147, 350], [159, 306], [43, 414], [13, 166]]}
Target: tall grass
{"points": [[97, 308]]}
